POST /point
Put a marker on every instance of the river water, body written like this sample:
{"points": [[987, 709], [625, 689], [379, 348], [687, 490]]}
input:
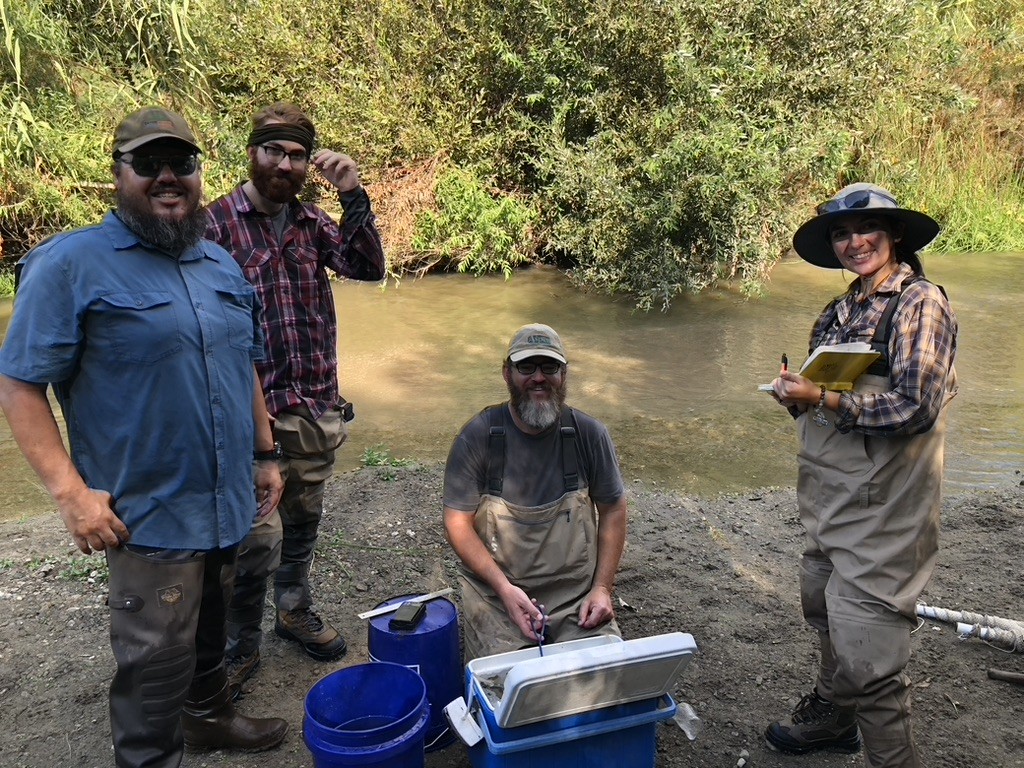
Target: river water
{"points": [[678, 390]]}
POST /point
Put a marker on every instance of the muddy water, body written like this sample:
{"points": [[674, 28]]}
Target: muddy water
{"points": [[678, 389]]}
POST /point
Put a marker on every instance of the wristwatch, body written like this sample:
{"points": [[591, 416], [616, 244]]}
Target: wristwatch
{"points": [[273, 454]]}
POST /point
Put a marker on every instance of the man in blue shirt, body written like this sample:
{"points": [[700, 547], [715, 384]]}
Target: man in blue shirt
{"points": [[147, 334]]}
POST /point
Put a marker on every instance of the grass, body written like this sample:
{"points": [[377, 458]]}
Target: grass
{"points": [[80, 568], [380, 456], [965, 178]]}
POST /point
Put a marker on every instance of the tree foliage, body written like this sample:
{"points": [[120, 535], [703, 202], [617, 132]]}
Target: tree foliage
{"points": [[650, 146]]}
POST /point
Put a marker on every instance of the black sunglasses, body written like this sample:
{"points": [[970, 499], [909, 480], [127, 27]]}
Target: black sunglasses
{"points": [[528, 369], [150, 166], [853, 201]]}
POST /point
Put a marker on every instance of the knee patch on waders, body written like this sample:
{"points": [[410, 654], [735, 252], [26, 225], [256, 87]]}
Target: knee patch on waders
{"points": [[154, 609], [814, 575]]}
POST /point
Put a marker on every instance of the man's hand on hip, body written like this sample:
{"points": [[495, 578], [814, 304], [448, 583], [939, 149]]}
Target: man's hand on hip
{"points": [[91, 520]]}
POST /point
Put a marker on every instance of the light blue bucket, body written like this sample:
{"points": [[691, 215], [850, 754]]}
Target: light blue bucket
{"points": [[368, 714]]}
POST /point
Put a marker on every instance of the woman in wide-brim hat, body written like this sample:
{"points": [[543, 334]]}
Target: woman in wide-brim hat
{"points": [[870, 468]]}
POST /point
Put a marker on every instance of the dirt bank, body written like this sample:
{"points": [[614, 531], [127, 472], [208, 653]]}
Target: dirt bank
{"points": [[723, 569]]}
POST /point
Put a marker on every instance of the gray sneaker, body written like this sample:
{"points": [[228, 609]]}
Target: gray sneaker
{"points": [[240, 669], [816, 724], [319, 639]]}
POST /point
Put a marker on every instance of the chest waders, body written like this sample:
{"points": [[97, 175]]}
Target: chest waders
{"points": [[870, 506], [549, 551], [167, 635]]}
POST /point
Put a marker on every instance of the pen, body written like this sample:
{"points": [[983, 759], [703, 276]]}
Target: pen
{"points": [[785, 362]]}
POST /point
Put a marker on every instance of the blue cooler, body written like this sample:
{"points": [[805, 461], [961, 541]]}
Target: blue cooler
{"points": [[592, 703]]}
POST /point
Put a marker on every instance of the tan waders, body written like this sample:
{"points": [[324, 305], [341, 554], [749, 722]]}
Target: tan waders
{"points": [[870, 506], [550, 552]]}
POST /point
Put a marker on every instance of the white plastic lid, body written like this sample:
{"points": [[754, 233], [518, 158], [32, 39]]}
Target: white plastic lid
{"points": [[571, 678]]}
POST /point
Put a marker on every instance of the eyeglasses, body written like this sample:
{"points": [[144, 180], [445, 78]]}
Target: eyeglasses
{"points": [[526, 368], [149, 166], [276, 154], [856, 200]]}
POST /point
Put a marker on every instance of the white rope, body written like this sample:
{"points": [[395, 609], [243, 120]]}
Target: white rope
{"points": [[1007, 634], [953, 617], [1000, 638]]}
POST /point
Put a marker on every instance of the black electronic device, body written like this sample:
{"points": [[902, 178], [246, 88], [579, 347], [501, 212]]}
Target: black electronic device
{"points": [[348, 411], [408, 616]]}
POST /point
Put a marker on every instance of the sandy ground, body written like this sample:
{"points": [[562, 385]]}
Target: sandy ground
{"points": [[722, 569]]}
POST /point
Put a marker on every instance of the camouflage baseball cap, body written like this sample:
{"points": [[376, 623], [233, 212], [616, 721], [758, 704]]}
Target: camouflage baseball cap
{"points": [[536, 340], [149, 124]]}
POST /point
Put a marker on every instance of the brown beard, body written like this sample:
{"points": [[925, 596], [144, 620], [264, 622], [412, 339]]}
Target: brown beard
{"points": [[275, 186]]}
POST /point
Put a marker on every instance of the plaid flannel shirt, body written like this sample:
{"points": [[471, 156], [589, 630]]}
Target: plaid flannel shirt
{"points": [[922, 346], [291, 281]]}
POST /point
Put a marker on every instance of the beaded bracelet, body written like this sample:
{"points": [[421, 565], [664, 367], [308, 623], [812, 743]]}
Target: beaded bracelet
{"points": [[819, 417]]}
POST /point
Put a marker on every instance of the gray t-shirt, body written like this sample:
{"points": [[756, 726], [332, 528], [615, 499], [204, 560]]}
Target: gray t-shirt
{"points": [[533, 464]]}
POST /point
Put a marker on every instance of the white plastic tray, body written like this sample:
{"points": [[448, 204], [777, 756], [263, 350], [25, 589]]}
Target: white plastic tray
{"points": [[578, 676]]}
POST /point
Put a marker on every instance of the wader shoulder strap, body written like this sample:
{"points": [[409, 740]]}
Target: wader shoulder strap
{"points": [[496, 450], [570, 470], [883, 330]]}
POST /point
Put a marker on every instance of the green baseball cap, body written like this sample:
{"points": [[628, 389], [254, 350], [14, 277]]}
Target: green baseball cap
{"points": [[149, 124]]}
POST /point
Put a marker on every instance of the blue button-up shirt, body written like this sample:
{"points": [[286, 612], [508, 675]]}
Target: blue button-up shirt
{"points": [[151, 358]]}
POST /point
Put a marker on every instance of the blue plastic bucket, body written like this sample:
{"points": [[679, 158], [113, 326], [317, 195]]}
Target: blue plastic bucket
{"points": [[367, 714], [430, 649]]}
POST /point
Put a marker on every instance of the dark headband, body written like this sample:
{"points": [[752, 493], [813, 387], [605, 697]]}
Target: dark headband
{"points": [[282, 132]]}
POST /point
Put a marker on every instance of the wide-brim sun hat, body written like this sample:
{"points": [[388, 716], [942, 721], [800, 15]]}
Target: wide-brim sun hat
{"points": [[812, 242]]}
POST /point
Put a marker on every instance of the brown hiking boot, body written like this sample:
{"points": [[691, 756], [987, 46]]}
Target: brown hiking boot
{"points": [[240, 669], [816, 724], [317, 637]]}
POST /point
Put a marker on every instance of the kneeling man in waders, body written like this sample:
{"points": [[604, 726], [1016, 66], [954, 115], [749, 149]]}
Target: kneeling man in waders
{"points": [[535, 508]]}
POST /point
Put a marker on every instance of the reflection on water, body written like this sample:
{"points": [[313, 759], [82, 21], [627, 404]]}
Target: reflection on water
{"points": [[678, 390]]}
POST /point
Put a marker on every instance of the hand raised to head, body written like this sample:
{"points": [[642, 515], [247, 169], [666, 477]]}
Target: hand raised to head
{"points": [[340, 170]]}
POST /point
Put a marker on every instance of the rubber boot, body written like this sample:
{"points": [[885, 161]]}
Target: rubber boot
{"points": [[291, 580], [154, 608], [209, 718], [211, 722]]}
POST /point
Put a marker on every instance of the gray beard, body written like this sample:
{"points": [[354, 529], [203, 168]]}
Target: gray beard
{"points": [[171, 236], [538, 415]]}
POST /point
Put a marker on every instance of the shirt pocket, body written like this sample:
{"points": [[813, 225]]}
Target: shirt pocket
{"points": [[304, 259], [238, 316], [140, 326]]}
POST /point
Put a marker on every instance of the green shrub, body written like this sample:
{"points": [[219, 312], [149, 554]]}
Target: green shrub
{"points": [[477, 230]]}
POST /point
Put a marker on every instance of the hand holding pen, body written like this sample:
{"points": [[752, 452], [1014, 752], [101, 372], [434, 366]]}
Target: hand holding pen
{"points": [[540, 627]]}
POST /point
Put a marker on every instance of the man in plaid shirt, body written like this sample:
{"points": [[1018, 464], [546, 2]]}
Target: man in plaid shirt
{"points": [[286, 248]]}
